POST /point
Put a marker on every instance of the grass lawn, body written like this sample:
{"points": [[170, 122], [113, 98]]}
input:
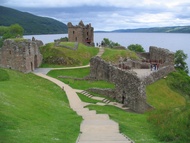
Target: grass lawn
{"points": [[34, 110], [79, 84]]}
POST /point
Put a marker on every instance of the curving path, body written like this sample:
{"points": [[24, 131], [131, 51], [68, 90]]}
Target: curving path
{"points": [[46, 70], [95, 128]]}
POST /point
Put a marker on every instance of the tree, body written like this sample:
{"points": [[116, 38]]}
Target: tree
{"points": [[136, 48], [179, 59], [13, 31], [108, 43]]}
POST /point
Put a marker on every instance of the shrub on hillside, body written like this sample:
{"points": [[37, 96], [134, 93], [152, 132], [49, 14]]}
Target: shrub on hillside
{"points": [[179, 81], [3, 75]]}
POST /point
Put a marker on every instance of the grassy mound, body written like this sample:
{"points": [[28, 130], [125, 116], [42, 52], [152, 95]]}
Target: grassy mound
{"points": [[114, 55], [58, 56], [34, 110]]}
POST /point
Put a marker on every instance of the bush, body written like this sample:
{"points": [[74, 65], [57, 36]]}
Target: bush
{"points": [[3, 75], [179, 81], [136, 48]]}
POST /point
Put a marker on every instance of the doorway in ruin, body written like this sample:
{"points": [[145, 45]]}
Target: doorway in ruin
{"points": [[35, 61], [123, 97]]}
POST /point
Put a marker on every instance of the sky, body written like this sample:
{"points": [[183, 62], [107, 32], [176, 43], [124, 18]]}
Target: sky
{"points": [[109, 15]]}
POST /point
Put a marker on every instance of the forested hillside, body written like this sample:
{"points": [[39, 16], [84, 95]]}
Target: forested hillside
{"points": [[32, 24]]}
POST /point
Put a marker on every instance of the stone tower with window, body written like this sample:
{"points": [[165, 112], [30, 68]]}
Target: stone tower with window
{"points": [[81, 33]]}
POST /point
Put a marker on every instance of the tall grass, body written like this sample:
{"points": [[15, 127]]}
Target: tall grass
{"points": [[34, 110]]}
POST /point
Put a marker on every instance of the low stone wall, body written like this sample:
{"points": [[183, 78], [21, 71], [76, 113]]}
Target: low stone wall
{"points": [[154, 76]]}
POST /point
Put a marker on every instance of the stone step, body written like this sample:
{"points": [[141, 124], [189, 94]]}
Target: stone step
{"points": [[99, 126], [86, 113], [103, 137], [96, 117]]}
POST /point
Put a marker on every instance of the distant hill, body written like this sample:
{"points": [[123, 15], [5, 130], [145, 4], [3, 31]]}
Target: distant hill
{"points": [[32, 24], [174, 29]]}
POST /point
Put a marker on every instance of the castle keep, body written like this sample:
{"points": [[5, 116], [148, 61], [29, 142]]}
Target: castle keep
{"points": [[81, 33], [22, 55]]}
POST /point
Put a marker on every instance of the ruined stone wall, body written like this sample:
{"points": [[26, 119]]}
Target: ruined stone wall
{"points": [[160, 54], [22, 55], [129, 88], [131, 64], [154, 76]]}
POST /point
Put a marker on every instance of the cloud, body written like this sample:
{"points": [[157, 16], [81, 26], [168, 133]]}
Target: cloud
{"points": [[110, 14]]}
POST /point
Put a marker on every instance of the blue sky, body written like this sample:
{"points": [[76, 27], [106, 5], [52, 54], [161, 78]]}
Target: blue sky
{"points": [[109, 14]]}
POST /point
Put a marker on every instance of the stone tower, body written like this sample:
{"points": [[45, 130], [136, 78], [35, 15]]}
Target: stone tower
{"points": [[81, 33]]}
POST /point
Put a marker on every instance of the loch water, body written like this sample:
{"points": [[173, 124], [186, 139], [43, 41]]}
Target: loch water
{"points": [[171, 41]]}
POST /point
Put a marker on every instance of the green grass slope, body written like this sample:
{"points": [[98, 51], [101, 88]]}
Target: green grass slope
{"points": [[34, 110], [32, 24], [114, 55], [59, 56]]}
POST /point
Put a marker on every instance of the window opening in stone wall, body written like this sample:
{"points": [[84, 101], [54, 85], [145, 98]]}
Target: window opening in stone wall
{"points": [[87, 33], [10, 52], [73, 32], [29, 51], [75, 38]]}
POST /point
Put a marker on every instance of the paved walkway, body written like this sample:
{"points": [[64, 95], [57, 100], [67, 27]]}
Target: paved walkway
{"points": [[142, 73], [95, 128]]}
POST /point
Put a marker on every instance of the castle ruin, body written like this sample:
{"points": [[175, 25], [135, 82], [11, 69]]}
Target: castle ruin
{"points": [[22, 55], [130, 88], [81, 33]]}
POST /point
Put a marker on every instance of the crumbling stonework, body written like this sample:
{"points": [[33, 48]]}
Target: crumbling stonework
{"points": [[22, 55], [81, 33], [129, 88]]}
